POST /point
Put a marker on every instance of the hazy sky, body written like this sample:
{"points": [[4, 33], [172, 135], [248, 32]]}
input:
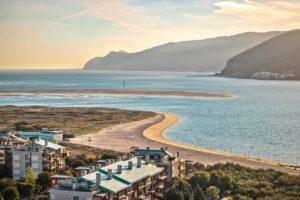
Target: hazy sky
{"points": [[66, 33]]}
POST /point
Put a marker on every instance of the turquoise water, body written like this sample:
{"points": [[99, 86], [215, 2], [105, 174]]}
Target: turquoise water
{"points": [[263, 121]]}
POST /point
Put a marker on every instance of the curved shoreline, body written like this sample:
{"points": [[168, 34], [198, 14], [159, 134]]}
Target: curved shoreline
{"points": [[156, 133], [121, 91]]}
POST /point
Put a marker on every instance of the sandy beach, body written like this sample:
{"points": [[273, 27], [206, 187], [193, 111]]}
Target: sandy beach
{"points": [[125, 91], [150, 133]]}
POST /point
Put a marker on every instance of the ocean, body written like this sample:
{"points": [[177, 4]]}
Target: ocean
{"points": [[263, 121]]}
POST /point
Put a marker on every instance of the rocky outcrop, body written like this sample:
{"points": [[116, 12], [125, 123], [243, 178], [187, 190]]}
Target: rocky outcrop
{"points": [[276, 58]]}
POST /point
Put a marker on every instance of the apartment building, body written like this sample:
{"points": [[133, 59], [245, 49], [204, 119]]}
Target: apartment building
{"points": [[40, 155], [129, 179], [8, 143], [174, 165]]}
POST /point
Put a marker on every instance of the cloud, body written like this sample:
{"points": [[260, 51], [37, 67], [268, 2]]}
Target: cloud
{"points": [[282, 14], [120, 13]]}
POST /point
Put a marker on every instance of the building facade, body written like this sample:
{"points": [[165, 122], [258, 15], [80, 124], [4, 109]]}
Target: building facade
{"points": [[174, 165], [130, 179], [41, 158]]}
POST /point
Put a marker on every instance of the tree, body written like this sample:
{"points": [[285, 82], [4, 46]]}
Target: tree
{"points": [[198, 193], [5, 171], [173, 194], [7, 182], [44, 180], [200, 178], [25, 189], [212, 192], [30, 177], [225, 183], [214, 179], [186, 189], [10, 193]]}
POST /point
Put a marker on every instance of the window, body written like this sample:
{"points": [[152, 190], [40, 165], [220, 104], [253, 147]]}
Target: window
{"points": [[16, 165], [16, 171], [75, 198], [16, 157], [35, 165], [27, 157], [34, 158]]}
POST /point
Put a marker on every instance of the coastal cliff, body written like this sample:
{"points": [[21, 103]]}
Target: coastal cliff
{"points": [[277, 58]]}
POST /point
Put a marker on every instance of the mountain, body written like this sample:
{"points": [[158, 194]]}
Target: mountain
{"points": [[198, 55], [276, 58]]}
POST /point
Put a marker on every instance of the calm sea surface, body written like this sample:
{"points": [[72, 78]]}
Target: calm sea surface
{"points": [[263, 121]]}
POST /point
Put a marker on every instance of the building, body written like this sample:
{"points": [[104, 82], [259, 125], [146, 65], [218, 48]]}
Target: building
{"points": [[130, 179], [174, 166], [44, 134], [40, 155], [8, 143]]}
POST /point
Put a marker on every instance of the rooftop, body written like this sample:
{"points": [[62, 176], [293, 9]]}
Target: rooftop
{"points": [[49, 145], [82, 168], [135, 174], [125, 179]]}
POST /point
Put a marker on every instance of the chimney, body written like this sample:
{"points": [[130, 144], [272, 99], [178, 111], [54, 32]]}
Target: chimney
{"points": [[148, 148], [162, 159], [139, 161], [46, 143], [98, 178], [107, 162], [83, 172], [120, 169], [147, 156], [74, 185], [177, 154], [109, 174], [130, 165]]}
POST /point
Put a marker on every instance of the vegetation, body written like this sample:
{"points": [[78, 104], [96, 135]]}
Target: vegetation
{"points": [[5, 170], [44, 180], [233, 181], [10, 193], [74, 120], [30, 178]]}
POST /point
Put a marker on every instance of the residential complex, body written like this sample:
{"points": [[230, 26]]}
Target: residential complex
{"points": [[130, 179]]}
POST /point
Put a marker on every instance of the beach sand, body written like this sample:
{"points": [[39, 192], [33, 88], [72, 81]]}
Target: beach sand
{"points": [[150, 133], [121, 91]]}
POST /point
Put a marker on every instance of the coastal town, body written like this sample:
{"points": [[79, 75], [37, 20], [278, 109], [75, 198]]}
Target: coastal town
{"points": [[140, 174], [51, 164]]}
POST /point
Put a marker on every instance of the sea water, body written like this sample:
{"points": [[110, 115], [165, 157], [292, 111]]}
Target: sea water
{"points": [[262, 121]]}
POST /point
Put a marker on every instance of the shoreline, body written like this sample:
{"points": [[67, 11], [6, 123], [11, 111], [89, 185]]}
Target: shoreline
{"points": [[150, 133], [122, 92], [157, 131]]}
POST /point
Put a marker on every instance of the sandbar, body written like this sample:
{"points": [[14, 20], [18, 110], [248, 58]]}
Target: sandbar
{"points": [[120, 91]]}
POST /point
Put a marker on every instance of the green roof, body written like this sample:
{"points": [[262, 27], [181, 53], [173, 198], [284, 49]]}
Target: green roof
{"points": [[135, 174], [113, 185], [125, 179]]}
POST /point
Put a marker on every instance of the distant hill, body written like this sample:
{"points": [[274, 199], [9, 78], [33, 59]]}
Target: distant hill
{"points": [[276, 58], [198, 55]]}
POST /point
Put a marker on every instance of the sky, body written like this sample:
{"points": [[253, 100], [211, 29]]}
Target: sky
{"points": [[66, 33]]}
